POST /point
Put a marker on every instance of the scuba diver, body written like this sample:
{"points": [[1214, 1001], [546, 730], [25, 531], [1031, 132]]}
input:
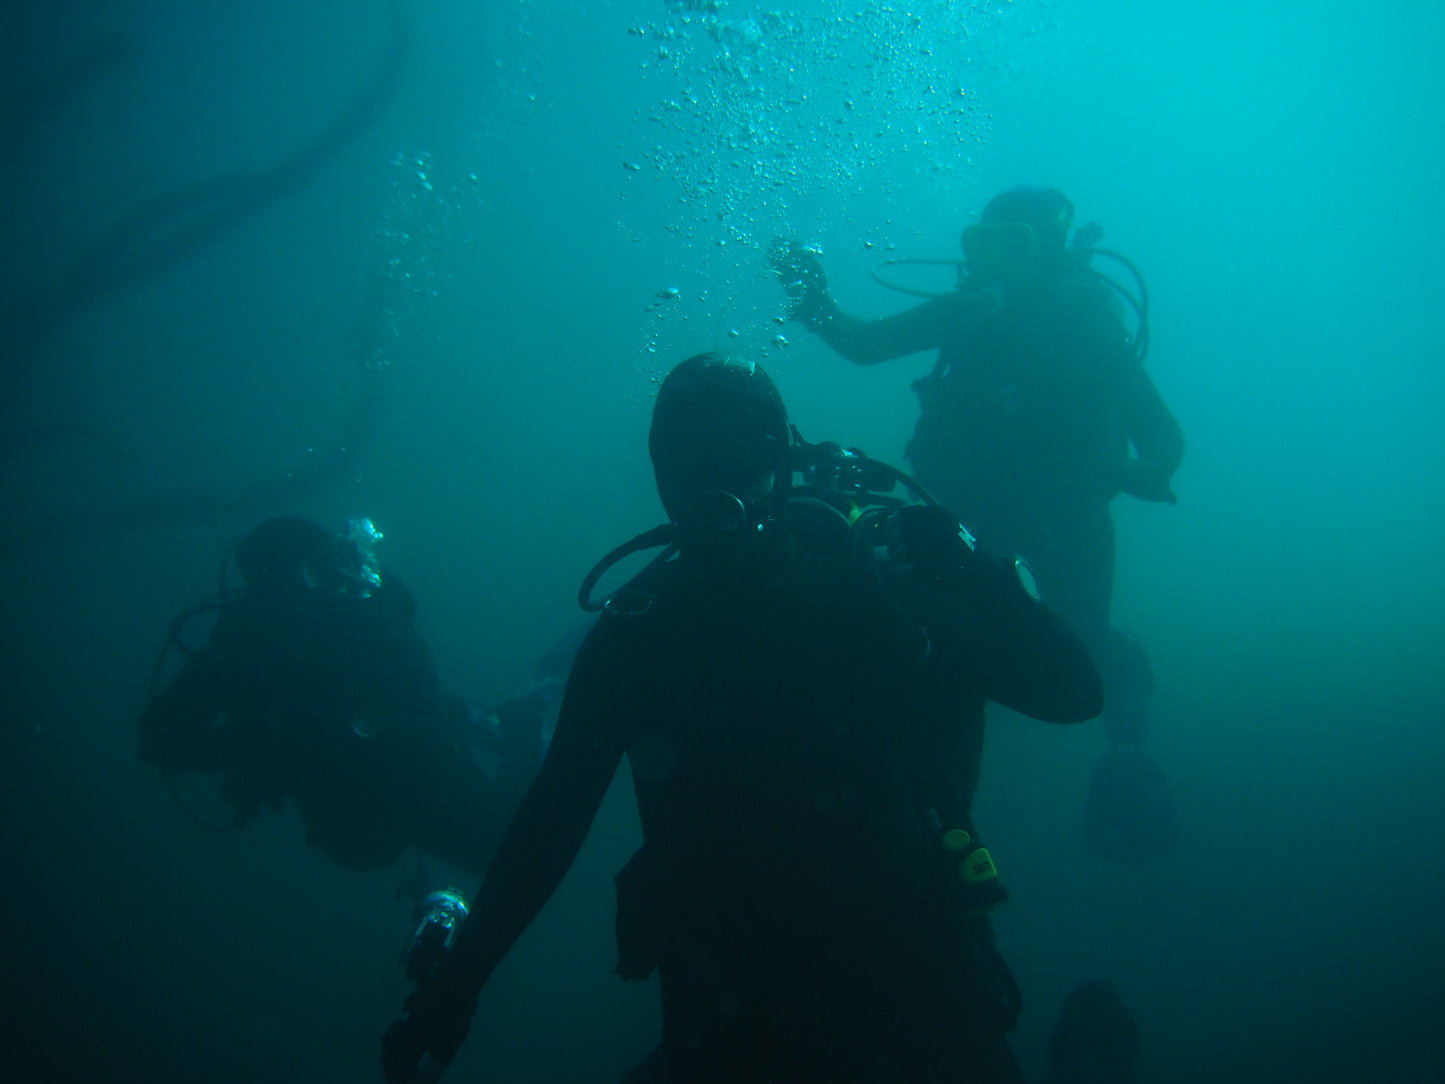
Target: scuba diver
{"points": [[1038, 412], [316, 687], [798, 682]]}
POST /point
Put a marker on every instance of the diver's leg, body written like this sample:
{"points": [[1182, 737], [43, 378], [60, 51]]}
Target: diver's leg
{"points": [[1128, 685], [1074, 563], [1080, 565]]}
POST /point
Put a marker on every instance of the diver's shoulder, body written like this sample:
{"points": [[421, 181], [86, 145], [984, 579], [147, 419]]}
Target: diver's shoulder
{"points": [[619, 642]]}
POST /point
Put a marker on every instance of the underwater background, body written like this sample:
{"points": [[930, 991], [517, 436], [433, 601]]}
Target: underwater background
{"points": [[427, 262]]}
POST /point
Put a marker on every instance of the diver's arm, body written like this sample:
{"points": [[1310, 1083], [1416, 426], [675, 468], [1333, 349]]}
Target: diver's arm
{"points": [[540, 844], [1157, 438], [867, 342], [543, 839], [1039, 664], [1030, 659], [982, 616]]}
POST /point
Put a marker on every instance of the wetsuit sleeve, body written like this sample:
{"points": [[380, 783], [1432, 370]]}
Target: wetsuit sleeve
{"points": [[177, 729], [867, 342], [1156, 436], [551, 823], [1020, 653]]}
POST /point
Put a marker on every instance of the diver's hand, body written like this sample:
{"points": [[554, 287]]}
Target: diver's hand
{"points": [[419, 1046], [1146, 482], [928, 537], [940, 550], [803, 279]]}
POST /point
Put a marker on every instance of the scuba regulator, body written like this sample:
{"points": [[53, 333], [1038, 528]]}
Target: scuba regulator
{"points": [[857, 489]]}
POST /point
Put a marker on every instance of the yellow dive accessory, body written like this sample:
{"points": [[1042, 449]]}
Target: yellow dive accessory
{"points": [[982, 890]]}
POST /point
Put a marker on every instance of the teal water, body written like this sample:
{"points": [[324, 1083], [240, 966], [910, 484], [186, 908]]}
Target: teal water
{"points": [[554, 203]]}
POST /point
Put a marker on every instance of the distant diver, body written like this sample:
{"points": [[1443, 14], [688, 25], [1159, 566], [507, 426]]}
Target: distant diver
{"points": [[1037, 414], [315, 688]]}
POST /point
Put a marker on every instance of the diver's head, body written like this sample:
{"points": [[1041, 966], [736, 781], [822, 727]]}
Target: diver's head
{"points": [[1021, 234], [719, 437], [291, 552]]}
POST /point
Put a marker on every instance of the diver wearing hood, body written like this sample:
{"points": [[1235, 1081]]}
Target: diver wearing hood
{"points": [[1037, 414], [315, 687], [788, 680]]}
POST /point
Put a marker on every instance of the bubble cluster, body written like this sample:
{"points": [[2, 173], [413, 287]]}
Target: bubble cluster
{"points": [[416, 244], [768, 121]]}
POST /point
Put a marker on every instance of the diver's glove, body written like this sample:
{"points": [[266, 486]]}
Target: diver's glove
{"points": [[803, 281], [418, 1047], [1143, 480], [939, 549], [928, 537]]}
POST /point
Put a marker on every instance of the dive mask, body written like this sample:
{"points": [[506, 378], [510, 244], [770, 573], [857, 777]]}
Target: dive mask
{"points": [[349, 567]]}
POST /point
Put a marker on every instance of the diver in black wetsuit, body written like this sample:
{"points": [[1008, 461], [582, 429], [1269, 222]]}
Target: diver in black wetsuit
{"points": [[316, 687], [1037, 414], [793, 694]]}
